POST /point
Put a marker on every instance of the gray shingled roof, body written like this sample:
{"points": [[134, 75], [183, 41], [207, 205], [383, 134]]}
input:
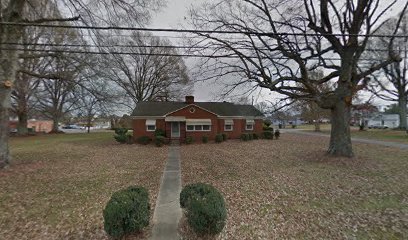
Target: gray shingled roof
{"points": [[220, 108]]}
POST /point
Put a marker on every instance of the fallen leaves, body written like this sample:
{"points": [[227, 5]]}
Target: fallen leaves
{"points": [[289, 189], [59, 185]]}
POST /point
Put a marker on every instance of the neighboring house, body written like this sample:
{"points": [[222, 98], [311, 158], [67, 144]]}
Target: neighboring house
{"points": [[38, 126], [384, 121], [195, 119]]}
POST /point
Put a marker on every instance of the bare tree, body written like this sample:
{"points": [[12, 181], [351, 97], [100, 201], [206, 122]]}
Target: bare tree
{"points": [[281, 42], [92, 12], [391, 84], [93, 97], [152, 73]]}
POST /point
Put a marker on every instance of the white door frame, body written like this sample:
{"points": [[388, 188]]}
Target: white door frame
{"points": [[175, 134]]}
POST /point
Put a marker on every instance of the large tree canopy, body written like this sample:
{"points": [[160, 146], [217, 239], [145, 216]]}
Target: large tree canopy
{"points": [[280, 42]]}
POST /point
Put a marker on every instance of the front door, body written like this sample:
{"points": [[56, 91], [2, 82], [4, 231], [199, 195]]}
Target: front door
{"points": [[175, 129]]}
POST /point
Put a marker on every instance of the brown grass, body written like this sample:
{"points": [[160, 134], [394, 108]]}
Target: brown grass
{"points": [[58, 185], [289, 188]]}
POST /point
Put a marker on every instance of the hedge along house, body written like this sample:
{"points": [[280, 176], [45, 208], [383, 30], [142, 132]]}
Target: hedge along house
{"points": [[196, 119]]}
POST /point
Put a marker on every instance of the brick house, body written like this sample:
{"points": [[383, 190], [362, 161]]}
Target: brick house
{"points": [[39, 126], [196, 119]]}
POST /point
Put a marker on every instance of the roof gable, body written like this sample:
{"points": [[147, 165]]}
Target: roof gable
{"points": [[187, 107]]}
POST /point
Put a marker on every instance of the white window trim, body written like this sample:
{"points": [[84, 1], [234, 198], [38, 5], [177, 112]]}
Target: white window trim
{"points": [[249, 129], [150, 123], [148, 130], [249, 122], [202, 128], [228, 130]]}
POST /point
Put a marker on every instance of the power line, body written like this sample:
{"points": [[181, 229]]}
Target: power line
{"points": [[119, 53], [234, 56], [151, 46], [195, 31]]}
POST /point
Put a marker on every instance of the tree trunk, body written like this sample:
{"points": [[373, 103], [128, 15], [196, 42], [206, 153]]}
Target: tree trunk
{"points": [[89, 121], [22, 123], [8, 69], [55, 122], [5, 95], [317, 126], [340, 140], [402, 104]]}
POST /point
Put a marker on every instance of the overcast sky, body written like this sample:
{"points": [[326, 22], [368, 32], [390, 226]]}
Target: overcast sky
{"points": [[173, 16]]}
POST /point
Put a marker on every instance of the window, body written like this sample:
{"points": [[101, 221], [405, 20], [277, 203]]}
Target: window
{"points": [[228, 124], [249, 126], [199, 128], [228, 127], [198, 125], [150, 125]]}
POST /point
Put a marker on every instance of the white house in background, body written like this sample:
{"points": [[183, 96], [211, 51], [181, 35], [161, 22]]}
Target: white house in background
{"points": [[384, 121]]}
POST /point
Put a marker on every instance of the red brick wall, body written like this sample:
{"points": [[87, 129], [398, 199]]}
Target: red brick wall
{"points": [[197, 114], [139, 127]]}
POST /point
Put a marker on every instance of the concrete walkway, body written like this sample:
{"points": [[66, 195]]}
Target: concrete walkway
{"points": [[168, 212], [359, 140]]}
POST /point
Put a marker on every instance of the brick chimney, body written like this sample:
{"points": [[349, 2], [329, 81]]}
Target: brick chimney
{"points": [[189, 99]]}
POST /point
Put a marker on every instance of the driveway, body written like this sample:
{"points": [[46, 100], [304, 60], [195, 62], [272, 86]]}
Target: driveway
{"points": [[358, 140]]}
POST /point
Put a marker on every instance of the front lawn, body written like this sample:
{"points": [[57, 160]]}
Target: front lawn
{"points": [[289, 189], [58, 185]]}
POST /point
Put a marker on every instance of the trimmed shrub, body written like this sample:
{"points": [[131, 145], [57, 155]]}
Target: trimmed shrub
{"points": [[255, 136], [224, 137], [189, 140], [194, 190], [128, 211], [219, 138], [205, 139], [122, 136], [250, 136], [205, 208], [244, 137], [144, 140], [159, 141], [159, 132], [268, 135], [277, 134]]}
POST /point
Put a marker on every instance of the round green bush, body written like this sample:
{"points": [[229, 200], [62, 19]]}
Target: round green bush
{"points": [[159, 141], [250, 136], [159, 132], [205, 208], [277, 134], [195, 190], [205, 139], [189, 140], [268, 135], [219, 138], [144, 140], [244, 137], [128, 211], [207, 215]]}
